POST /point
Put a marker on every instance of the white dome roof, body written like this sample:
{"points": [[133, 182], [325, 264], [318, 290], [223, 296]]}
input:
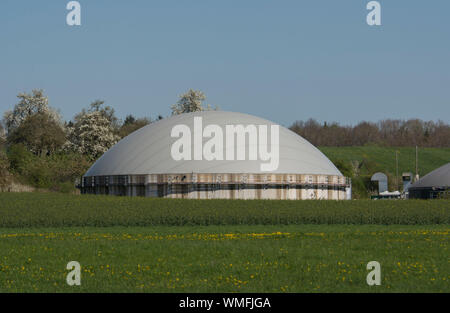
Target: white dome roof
{"points": [[148, 151]]}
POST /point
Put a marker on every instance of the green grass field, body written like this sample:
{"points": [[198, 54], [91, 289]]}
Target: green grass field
{"points": [[163, 245], [294, 258]]}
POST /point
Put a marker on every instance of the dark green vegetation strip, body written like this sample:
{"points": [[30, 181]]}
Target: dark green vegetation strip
{"points": [[58, 210], [283, 258]]}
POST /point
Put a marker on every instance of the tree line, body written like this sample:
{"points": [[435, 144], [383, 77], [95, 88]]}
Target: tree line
{"points": [[38, 148], [388, 132]]}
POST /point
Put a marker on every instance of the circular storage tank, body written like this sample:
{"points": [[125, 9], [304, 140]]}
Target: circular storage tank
{"points": [[215, 154]]}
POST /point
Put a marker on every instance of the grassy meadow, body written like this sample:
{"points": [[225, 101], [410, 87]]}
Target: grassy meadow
{"points": [[293, 258], [384, 157], [164, 245]]}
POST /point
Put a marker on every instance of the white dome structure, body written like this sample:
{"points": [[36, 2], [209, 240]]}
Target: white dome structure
{"points": [[169, 158]]}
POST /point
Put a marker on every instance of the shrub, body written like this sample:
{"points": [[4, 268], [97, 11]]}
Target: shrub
{"points": [[56, 172]]}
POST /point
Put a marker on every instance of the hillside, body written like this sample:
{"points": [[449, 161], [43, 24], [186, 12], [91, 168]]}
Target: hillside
{"points": [[384, 157], [372, 159]]}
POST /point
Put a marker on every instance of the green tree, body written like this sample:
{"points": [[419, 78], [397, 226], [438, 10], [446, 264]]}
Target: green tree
{"points": [[131, 124], [344, 167], [129, 119], [40, 133], [5, 177], [19, 158]]}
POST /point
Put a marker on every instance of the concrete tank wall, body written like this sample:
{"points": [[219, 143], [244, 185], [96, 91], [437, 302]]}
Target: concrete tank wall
{"points": [[221, 186]]}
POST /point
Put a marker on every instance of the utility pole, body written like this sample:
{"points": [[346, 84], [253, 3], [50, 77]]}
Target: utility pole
{"points": [[417, 164], [396, 168]]}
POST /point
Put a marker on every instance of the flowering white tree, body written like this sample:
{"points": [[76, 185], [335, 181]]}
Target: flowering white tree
{"points": [[2, 134], [92, 135], [105, 110], [29, 105], [191, 101]]}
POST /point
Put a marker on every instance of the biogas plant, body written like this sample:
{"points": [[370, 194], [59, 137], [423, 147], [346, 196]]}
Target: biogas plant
{"points": [[216, 155]]}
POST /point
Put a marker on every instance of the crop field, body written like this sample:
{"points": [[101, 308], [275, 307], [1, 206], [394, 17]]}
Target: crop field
{"points": [[58, 210], [164, 245]]}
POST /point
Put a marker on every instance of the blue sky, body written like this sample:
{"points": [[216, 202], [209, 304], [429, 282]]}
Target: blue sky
{"points": [[281, 60]]}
